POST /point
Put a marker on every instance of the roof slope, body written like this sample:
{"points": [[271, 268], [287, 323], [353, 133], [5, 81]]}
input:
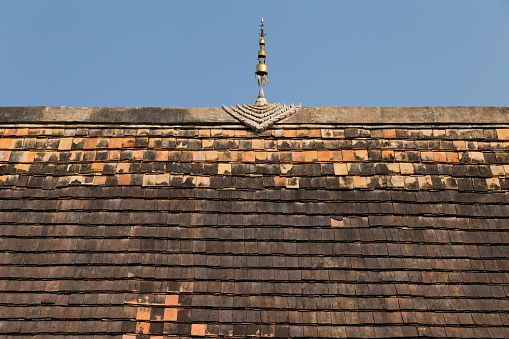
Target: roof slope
{"points": [[201, 228]]}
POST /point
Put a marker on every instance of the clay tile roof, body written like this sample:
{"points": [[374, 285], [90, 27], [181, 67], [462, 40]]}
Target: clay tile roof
{"points": [[181, 222]]}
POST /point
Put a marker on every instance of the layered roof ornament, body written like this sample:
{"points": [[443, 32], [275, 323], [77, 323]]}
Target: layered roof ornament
{"points": [[262, 114]]}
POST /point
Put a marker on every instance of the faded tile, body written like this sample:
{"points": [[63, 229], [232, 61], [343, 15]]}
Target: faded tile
{"points": [[208, 143], [425, 182], [203, 181], [388, 155], [6, 143], [285, 168], [99, 180], [115, 143], [199, 156], [65, 143], [198, 329], [248, 156], [280, 181], [137, 155], [314, 133], [452, 157], [340, 169], [240, 133], [162, 179], [440, 156], [5, 155], [459, 145], [128, 142], [348, 155], [389, 133], [336, 155], [211, 155], [260, 156], [149, 180], [360, 182], [298, 156], [310, 156], [361, 155], [258, 143], [171, 300], [28, 157], [503, 133], [411, 183], [493, 183], [323, 156], [124, 179], [476, 157], [337, 223], [427, 156], [162, 155], [143, 327], [406, 168], [290, 133], [224, 168], [97, 167], [398, 181], [90, 143], [143, 313], [21, 132]]}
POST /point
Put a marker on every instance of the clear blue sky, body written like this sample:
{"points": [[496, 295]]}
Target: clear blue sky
{"points": [[203, 53]]}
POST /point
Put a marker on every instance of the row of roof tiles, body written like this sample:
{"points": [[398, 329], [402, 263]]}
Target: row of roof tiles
{"points": [[54, 329], [409, 182], [269, 195], [486, 133], [212, 295], [90, 143], [408, 231], [158, 314], [261, 156], [269, 219]]}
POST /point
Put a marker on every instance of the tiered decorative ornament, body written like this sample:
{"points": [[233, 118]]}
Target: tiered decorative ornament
{"points": [[261, 115]]}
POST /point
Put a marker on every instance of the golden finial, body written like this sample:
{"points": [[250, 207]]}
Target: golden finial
{"points": [[261, 30], [262, 69]]}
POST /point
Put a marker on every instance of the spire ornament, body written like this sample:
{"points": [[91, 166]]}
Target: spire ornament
{"points": [[261, 115], [262, 69]]}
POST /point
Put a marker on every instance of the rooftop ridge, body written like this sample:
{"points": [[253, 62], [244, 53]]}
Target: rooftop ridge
{"points": [[196, 116]]}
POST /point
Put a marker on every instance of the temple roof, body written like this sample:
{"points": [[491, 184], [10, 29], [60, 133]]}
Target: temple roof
{"points": [[182, 222]]}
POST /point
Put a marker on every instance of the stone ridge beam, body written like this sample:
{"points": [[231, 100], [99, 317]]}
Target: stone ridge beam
{"points": [[196, 116], [400, 115], [116, 115]]}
